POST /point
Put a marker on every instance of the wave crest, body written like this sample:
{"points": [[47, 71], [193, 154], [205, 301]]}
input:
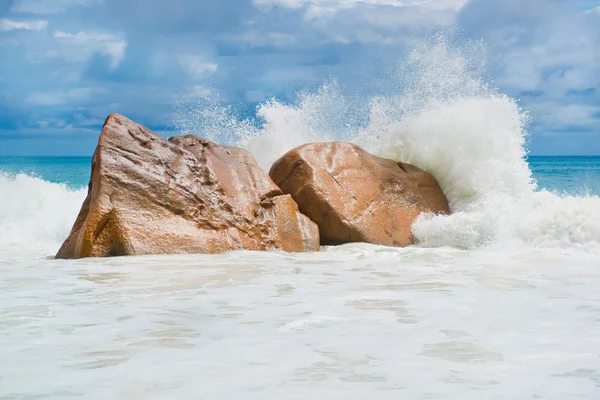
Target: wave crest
{"points": [[36, 213]]}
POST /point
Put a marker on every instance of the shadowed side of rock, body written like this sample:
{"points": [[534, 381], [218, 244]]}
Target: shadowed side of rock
{"points": [[148, 195], [354, 196]]}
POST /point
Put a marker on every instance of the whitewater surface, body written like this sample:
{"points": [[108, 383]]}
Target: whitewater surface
{"points": [[351, 322], [36, 214], [498, 300]]}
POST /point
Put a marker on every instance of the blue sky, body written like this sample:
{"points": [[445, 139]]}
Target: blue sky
{"points": [[66, 64]]}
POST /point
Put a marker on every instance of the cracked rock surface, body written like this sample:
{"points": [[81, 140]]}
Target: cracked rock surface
{"points": [[354, 196], [148, 195]]}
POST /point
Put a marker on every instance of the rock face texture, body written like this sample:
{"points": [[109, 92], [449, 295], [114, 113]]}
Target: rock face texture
{"points": [[148, 195], [357, 197]]}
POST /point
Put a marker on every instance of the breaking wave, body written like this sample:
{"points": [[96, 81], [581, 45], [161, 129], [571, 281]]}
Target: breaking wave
{"points": [[34, 212], [439, 113]]}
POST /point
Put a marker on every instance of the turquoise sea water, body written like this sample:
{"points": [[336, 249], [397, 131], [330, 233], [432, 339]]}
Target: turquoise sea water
{"points": [[573, 175], [72, 171]]}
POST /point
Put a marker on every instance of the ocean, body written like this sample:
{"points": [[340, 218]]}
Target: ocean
{"points": [[575, 175], [499, 300]]}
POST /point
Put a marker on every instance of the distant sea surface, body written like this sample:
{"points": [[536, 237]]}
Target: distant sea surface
{"points": [[576, 175], [72, 171]]}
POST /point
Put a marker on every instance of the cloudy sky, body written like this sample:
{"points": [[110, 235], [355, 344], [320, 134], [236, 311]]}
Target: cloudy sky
{"points": [[66, 64]]}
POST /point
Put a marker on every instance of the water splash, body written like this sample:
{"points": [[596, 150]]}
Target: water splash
{"points": [[440, 113], [206, 112]]}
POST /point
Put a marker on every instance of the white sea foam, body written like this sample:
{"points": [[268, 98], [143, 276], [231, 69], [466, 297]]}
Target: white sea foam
{"points": [[34, 212], [351, 322]]}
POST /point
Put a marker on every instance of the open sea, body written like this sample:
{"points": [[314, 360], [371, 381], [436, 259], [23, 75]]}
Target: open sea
{"points": [[578, 175], [499, 300]]}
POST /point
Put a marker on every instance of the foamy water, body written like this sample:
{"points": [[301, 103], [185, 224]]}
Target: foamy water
{"points": [[498, 300], [352, 322]]}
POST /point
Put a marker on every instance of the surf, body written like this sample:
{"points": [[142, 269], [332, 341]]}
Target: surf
{"points": [[34, 212]]}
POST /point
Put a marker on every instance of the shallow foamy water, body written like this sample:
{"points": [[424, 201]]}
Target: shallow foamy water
{"points": [[349, 322]]}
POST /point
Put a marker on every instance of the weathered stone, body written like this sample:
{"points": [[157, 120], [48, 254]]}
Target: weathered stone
{"points": [[354, 196], [148, 195]]}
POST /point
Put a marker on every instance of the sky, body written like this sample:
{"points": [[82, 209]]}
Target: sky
{"points": [[66, 64]]}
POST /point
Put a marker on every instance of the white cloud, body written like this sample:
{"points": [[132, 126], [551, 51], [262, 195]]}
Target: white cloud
{"points": [[63, 97], [547, 56], [48, 6], [413, 11], [556, 115], [10, 25], [594, 11], [317, 7], [354, 21], [267, 39], [197, 66], [284, 3], [553, 58], [200, 91], [85, 44]]}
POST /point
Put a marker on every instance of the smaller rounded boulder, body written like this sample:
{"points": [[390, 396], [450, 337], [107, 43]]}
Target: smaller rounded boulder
{"points": [[354, 196]]}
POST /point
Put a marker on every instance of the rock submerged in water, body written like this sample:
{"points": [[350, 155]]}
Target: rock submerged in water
{"points": [[354, 196], [148, 195]]}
